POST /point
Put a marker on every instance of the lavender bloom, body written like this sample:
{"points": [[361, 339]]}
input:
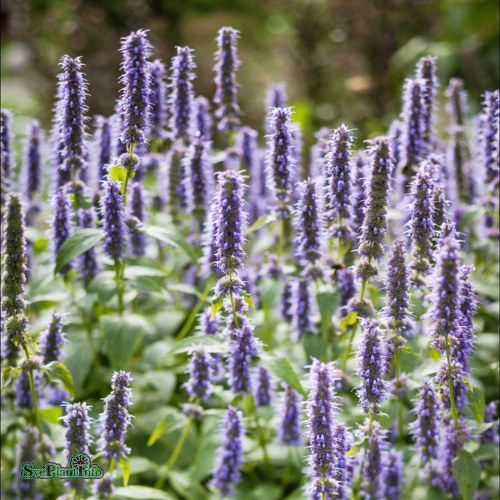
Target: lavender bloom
{"points": [[208, 261], [6, 143], [286, 301], [413, 133], [32, 166], [372, 367], [439, 215], [113, 220], [231, 218], [338, 184], [302, 309], [104, 146], [426, 71], [136, 80], [280, 160], [23, 391], [340, 448], [308, 241], [393, 475], [289, 430], [373, 476], [200, 375], [198, 176], [208, 326], [490, 436], [77, 422], [321, 409], [346, 285], [104, 486], [276, 96], [26, 453], [88, 261], [244, 347], [181, 95], [176, 185], [226, 94], [421, 224], [264, 389], [202, 119], [73, 118], [137, 239], [61, 229], [226, 473], [52, 339], [397, 290], [359, 190], [115, 419], [489, 138], [375, 221], [319, 150], [158, 100], [394, 133]]}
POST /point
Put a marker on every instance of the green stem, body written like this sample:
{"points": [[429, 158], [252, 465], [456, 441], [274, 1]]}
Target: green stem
{"points": [[192, 316], [33, 392], [397, 368], [119, 285], [130, 150], [360, 478], [251, 410]]}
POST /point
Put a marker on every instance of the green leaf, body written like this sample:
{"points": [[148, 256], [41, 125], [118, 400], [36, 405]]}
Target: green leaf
{"points": [[247, 297], [122, 335], [467, 473], [51, 414], [173, 239], [140, 493], [476, 397], [76, 244], [9, 374], [314, 344], [352, 451], [262, 221], [55, 370], [327, 304], [408, 350], [281, 368], [119, 173], [348, 320], [208, 342], [183, 288], [434, 354], [468, 383], [216, 306], [125, 467], [78, 359], [159, 430]]}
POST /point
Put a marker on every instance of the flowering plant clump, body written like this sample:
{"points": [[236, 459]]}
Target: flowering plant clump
{"points": [[328, 301]]}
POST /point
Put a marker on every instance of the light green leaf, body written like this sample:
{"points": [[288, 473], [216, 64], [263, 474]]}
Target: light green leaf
{"points": [[281, 368], [216, 307], [262, 221], [247, 297], [327, 304], [55, 370], [125, 468], [119, 173], [352, 451], [174, 239], [467, 473], [78, 360], [476, 397], [76, 244], [348, 320], [159, 430], [140, 493], [51, 414], [9, 374], [209, 343]]}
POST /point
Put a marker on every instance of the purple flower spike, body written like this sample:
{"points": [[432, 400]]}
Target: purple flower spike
{"points": [[264, 388], [73, 118], [104, 486], [425, 428], [375, 221], [338, 184], [413, 133], [32, 166], [439, 216], [230, 459], [421, 227], [181, 94], [202, 118], [53, 338], [393, 475], [321, 408], [136, 80], [26, 452], [373, 472], [23, 390], [491, 436], [61, 224], [226, 93], [308, 242], [103, 136], [289, 431], [489, 130], [231, 218], [88, 261], [7, 159], [426, 71], [361, 166], [319, 150], [372, 367], [158, 100], [280, 160], [115, 419], [113, 220], [76, 420], [200, 375], [302, 310], [137, 239], [276, 96]]}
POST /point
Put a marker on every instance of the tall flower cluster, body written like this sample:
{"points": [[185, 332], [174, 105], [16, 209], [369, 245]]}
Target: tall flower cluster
{"points": [[264, 387], [61, 229], [338, 184], [72, 110], [289, 432], [176, 198], [202, 121], [115, 419], [421, 227], [26, 453], [226, 473], [103, 137], [393, 475], [301, 310], [321, 408], [489, 130], [53, 338], [372, 367], [200, 375], [374, 464], [113, 220], [361, 165], [280, 160], [181, 96], [426, 72], [6, 143], [158, 100], [137, 239], [88, 264], [226, 94], [136, 91], [32, 165]]}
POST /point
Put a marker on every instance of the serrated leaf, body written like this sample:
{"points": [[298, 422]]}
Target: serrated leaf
{"points": [[77, 244], [125, 468], [263, 220], [467, 473], [247, 297], [55, 370], [281, 368], [174, 239], [140, 493], [209, 343]]}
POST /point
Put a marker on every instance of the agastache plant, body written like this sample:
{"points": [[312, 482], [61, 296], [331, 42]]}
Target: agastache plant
{"points": [[104, 143], [372, 471], [263, 387], [158, 101], [227, 110], [202, 121], [393, 475], [136, 219], [200, 375], [289, 431], [26, 453], [32, 165], [426, 72], [53, 338], [88, 265]]}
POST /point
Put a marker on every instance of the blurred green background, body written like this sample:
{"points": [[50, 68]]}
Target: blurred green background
{"points": [[341, 60]]}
